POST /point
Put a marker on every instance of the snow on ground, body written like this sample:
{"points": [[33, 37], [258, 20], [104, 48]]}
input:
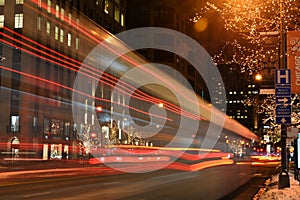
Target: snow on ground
{"points": [[272, 191]]}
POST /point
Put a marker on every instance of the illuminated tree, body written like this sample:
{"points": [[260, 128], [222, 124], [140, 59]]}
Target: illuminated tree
{"points": [[256, 24]]}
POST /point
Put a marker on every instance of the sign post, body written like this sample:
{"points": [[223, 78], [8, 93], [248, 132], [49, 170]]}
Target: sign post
{"points": [[283, 117]]}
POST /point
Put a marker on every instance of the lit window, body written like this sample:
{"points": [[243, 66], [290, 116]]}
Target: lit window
{"points": [[70, 18], [2, 2], [1, 21], [230, 92], [122, 20], [249, 92], [14, 123], [38, 23], [234, 92], [49, 6], [57, 11], [117, 14], [56, 33], [69, 39], [242, 92], [18, 20], [61, 35], [19, 1], [48, 28], [62, 14], [77, 43]]}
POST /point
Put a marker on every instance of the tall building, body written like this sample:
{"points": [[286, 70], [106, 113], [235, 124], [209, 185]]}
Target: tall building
{"points": [[42, 46], [110, 14], [172, 15], [240, 89]]}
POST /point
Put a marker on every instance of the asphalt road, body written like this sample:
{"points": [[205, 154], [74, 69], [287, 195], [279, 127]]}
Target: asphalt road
{"points": [[212, 183]]}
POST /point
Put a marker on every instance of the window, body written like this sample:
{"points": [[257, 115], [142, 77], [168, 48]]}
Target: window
{"points": [[67, 129], [57, 11], [49, 6], [18, 20], [48, 28], [1, 21], [19, 1], [70, 18], [2, 2], [122, 20], [61, 35], [69, 39], [56, 127], [62, 14], [56, 33], [39, 3], [35, 121], [77, 43], [117, 14], [38, 23], [14, 123]]}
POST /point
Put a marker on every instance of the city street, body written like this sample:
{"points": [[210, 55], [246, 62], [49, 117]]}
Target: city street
{"points": [[100, 182]]}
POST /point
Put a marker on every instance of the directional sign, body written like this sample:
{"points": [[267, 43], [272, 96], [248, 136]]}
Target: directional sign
{"points": [[283, 91], [283, 96], [285, 101], [282, 110], [283, 120]]}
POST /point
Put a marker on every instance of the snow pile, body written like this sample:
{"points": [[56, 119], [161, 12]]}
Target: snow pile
{"points": [[272, 191]]}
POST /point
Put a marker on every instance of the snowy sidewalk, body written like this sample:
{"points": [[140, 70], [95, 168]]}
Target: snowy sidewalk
{"points": [[271, 191]]}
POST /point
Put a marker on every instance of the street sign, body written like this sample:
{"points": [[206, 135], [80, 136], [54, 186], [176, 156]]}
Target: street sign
{"points": [[284, 101], [283, 110], [283, 91], [282, 76], [283, 96], [283, 120]]}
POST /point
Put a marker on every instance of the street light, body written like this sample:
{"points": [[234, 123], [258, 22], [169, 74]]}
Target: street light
{"points": [[258, 77]]}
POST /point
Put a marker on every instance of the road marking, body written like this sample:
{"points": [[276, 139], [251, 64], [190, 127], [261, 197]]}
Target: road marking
{"points": [[36, 194]]}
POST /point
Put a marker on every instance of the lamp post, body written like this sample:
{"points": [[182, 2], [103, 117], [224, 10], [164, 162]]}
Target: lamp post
{"points": [[284, 180]]}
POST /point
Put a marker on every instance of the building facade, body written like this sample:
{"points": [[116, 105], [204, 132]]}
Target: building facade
{"points": [[43, 43]]}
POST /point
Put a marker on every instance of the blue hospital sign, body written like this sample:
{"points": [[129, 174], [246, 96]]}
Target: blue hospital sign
{"points": [[283, 96], [282, 76]]}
